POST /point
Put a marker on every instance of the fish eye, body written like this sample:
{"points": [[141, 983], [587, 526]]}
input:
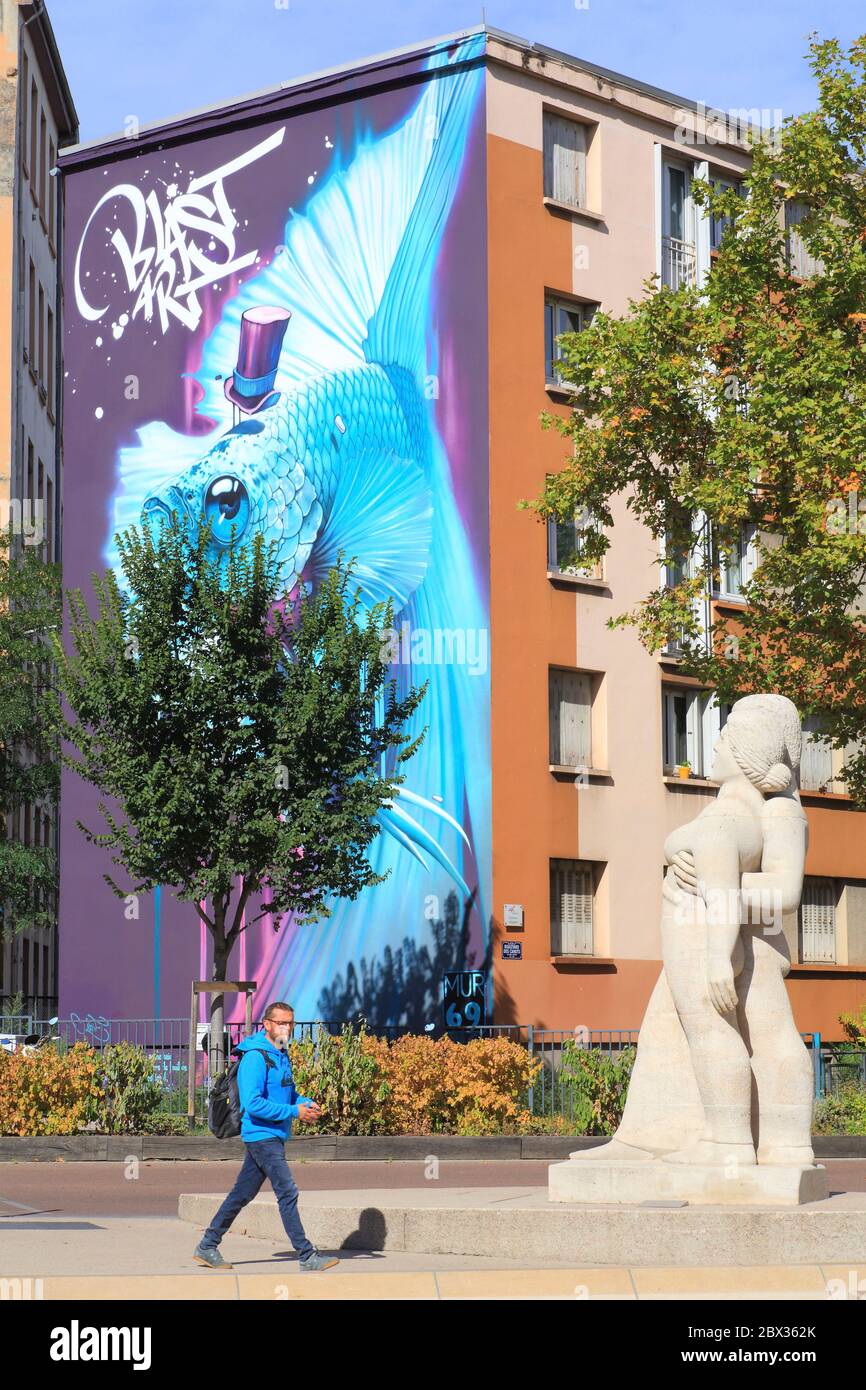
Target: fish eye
{"points": [[227, 506]]}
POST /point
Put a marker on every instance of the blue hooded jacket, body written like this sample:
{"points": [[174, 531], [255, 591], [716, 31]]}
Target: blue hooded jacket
{"points": [[269, 1099]]}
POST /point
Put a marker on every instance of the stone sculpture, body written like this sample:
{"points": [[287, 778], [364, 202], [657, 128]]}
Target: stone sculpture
{"points": [[722, 1078]]}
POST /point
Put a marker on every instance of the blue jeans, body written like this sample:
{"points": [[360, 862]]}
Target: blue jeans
{"points": [[266, 1158]]}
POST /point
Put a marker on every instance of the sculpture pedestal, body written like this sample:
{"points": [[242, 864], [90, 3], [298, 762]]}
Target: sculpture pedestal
{"points": [[624, 1183]]}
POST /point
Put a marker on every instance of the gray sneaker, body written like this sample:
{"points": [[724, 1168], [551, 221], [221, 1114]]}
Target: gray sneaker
{"points": [[317, 1261], [209, 1255]]}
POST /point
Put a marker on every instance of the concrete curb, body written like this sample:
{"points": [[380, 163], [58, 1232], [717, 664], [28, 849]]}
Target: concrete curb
{"points": [[518, 1224], [88, 1148]]}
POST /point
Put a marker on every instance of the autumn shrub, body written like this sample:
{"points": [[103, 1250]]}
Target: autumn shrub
{"points": [[414, 1085], [48, 1092], [130, 1093], [343, 1074]]}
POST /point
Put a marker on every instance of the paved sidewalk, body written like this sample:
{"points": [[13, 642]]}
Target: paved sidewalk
{"points": [[150, 1258]]}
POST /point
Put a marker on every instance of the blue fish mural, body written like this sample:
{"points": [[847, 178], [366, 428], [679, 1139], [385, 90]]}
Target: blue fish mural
{"points": [[326, 440]]}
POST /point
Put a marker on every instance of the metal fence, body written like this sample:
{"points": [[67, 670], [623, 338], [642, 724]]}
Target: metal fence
{"points": [[556, 1091]]}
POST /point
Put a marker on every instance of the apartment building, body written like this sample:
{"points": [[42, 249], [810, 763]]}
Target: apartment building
{"points": [[38, 117], [483, 194], [589, 179]]}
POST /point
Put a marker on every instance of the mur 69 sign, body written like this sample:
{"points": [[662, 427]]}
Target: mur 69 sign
{"points": [[463, 999]]}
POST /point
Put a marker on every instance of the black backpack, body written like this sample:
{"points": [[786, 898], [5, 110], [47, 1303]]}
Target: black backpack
{"points": [[224, 1111]]}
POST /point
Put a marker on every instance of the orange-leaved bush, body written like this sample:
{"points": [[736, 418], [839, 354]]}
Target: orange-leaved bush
{"points": [[48, 1092], [415, 1085]]}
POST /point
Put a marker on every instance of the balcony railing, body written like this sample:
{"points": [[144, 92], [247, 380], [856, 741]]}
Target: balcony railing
{"points": [[678, 262]]}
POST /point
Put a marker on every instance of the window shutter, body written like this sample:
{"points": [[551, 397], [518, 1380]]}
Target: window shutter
{"points": [[800, 262], [569, 714], [564, 159], [572, 904], [818, 920], [816, 759]]}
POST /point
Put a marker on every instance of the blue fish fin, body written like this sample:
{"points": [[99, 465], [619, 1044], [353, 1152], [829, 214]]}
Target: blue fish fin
{"points": [[382, 516], [433, 142]]}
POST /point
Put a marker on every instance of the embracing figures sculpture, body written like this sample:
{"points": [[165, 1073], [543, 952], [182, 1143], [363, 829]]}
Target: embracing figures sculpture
{"points": [[722, 1078]]}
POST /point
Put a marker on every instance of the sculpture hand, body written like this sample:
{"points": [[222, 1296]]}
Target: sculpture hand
{"points": [[720, 984], [683, 865]]}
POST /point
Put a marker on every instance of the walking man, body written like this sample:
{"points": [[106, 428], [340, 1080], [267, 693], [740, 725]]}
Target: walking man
{"points": [[269, 1103]]}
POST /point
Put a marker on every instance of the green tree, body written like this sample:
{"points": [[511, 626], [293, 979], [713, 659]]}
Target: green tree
{"points": [[29, 767], [744, 400], [239, 741]]}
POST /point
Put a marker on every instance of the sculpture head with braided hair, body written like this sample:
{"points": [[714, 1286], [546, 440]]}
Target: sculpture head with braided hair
{"points": [[761, 740]]}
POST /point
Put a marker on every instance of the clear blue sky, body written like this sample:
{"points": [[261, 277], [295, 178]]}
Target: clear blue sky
{"points": [[155, 58]]}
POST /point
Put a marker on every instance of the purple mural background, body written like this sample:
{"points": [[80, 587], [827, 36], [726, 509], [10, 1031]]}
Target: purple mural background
{"points": [[120, 967]]}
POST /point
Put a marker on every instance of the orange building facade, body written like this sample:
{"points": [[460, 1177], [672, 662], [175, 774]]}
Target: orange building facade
{"points": [[589, 178]]}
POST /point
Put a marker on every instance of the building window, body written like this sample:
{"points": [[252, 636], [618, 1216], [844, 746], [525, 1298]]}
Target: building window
{"points": [[816, 757], [565, 544], [31, 331], [800, 263], [562, 316], [570, 718], [719, 225], [678, 227], [43, 146], [691, 723], [29, 495], [40, 339], [735, 561], [41, 495], [49, 520], [572, 888], [683, 556], [52, 194], [34, 130], [817, 920], [50, 362], [564, 160], [25, 87]]}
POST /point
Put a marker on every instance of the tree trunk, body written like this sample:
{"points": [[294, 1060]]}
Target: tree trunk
{"points": [[216, 1043]]}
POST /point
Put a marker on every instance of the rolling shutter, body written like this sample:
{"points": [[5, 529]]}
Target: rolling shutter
{"points": [[818, 920], [571, 904], [569, 714], [564, 159]]}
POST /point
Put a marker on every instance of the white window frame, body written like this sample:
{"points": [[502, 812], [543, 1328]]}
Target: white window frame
{"points": [[572, 888], [737, 570], [565, 175], [817, 921], [705, 719], [679, 254], [554, 305], [569, 717], [718, 226], [582, 522], [695, 563]]}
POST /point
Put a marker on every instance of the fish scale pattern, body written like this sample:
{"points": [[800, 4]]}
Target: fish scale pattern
{"points": [[290, 456]]}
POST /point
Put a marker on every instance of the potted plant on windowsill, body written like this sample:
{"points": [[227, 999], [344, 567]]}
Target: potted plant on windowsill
{"points": [[685, 770]]}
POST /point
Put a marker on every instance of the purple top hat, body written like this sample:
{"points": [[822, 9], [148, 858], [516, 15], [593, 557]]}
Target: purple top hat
{"points": [[251, 387]]}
